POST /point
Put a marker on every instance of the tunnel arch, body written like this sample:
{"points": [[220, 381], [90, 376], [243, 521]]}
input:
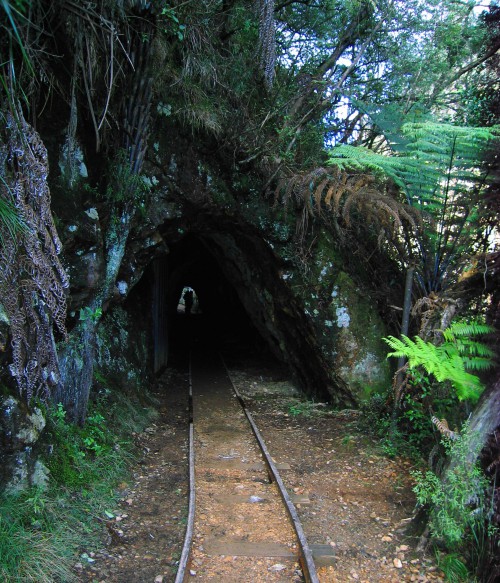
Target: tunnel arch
{"points": [[238, 280]]}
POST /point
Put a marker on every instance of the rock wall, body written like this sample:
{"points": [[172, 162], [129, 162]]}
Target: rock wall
{"points": [[19, 433], [345, 317]]}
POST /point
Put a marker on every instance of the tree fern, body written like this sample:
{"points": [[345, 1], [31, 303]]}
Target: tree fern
{"points": [[339, 192], [438, 169], [450, 361]]}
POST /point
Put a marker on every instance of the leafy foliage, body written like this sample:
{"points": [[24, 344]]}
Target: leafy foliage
{"points": [[457, 503], [451, 360], [438, 168], [42, 530]]}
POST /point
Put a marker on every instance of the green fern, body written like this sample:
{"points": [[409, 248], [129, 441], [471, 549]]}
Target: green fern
{"points": [[465, 329], [450, 361], [10, 223], [476, 355], [362, 159]]}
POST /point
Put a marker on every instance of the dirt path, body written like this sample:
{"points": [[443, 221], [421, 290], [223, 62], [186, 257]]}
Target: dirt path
{"points": [[353, 499], [241, 532], [142, 543]]}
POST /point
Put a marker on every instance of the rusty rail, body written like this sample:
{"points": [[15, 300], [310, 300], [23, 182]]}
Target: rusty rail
{"points": [[188, 539], [305, 554], [306, 557]]}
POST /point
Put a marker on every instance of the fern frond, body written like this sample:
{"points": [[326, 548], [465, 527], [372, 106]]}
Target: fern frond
{"points": [[443, 362], [493, 465], [364, 160], [473, 348], [471, 328], [477, 363], [443, 428], [319, 192], [341, 192], [434, 165]]}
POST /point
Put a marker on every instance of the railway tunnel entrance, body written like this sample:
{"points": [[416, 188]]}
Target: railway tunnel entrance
{"points": [[242, 300]]}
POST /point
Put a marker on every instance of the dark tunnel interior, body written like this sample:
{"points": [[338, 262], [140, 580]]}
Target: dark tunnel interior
{"points": [[245, 307], [218, 319]]}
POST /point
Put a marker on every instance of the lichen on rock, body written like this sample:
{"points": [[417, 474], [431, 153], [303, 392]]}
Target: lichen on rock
{"points": [[20, 430]]}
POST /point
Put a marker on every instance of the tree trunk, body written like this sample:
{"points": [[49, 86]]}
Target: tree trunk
{"points": [[76, 360], [486, 416], [405, 323]]}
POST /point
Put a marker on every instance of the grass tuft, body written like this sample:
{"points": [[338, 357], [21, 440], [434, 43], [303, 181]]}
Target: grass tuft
{"points": [[42, 532]]}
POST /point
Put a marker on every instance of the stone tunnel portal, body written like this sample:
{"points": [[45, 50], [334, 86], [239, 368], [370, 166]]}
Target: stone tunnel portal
{"points": [[243, 301]]}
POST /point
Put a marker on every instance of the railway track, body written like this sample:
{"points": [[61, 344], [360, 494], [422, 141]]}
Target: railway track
{"points": [[242, 524]]}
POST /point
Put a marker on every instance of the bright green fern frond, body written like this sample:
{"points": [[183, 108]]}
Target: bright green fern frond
{"points": [[365, 160], [400, 347], [437, 167], [477, 363], [450, 361], [467, 329], [468, 347]]}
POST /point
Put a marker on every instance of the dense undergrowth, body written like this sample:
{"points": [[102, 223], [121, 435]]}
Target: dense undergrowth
{"points": [[426, 417], [42, 531]]}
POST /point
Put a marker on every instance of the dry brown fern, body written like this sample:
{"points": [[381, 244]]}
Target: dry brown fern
{"points": [[494, 464], [338, 193], [32, 280], [400, 382], [442, 427]]}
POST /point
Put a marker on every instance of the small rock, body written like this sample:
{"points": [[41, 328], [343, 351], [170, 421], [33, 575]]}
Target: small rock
{"points": [[78, 567], [397, 563], [159, 579], [129, 501], [277, 567], [192, 573], [387, 539]]}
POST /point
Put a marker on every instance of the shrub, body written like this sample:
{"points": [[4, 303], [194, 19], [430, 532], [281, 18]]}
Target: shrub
{"points": [[457, 505], [41, 531]]}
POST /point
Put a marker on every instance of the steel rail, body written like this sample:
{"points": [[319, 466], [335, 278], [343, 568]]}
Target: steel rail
{"points": [[306, 556], [188, 539]]}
